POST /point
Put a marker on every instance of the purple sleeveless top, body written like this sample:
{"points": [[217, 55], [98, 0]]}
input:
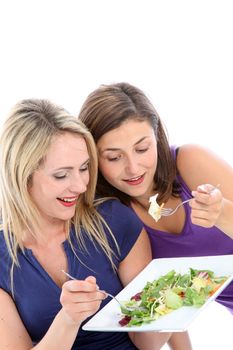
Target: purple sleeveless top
{"points": [[193, 240]]}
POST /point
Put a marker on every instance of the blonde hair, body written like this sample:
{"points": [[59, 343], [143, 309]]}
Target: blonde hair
{"points": [[25, 139]]}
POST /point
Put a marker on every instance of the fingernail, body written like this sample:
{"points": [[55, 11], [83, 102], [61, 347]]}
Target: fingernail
{"points": [[202, 188]]}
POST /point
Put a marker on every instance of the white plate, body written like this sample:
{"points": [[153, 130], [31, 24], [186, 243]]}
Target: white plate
{"points": [[177, 321]]}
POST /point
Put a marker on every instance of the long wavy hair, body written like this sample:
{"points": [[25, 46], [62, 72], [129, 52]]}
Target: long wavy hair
{"points": [[25, 139], [105, 109]]}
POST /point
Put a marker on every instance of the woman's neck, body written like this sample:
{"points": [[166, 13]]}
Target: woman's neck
{"points": [[45, 235], [143, 202]]}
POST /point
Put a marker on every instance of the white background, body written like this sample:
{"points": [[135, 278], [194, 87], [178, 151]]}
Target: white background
{"points": [[178, 51]]}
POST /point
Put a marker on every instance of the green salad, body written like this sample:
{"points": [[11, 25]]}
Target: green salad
{"points": [[168, 293]]}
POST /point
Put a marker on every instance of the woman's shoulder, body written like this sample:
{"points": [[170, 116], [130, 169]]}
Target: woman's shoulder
{"points": [[110, 204], [193, 151], [118, 213], [192, 156], [123, 223], [185, 151], [198, 164]]}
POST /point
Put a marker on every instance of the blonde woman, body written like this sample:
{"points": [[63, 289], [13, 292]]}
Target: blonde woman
{"points": [[50, 224]]}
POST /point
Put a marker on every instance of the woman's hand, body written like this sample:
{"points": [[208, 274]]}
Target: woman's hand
{"points": [[206, 205], [80, 299]]}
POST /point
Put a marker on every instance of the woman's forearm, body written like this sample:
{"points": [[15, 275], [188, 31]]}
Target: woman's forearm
{"points": [[149, 340], [155, 340], [60, 335]]}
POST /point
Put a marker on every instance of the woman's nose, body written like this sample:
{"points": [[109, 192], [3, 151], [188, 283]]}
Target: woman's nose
{"points": [[131, 166], [78, 184]]}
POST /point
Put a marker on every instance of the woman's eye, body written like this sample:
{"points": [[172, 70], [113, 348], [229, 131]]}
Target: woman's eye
{"points": [[113, 159], [84, 168], [60, 176], [142, 150]]}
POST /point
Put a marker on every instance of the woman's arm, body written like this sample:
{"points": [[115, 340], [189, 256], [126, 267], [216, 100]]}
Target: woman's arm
{"points": [[13, 334], [76, 307], [202, 169], [138, 258]]}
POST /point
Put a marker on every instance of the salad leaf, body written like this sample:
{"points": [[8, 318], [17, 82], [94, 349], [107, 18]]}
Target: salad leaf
{"points": [[168, 293], [172, 300]]}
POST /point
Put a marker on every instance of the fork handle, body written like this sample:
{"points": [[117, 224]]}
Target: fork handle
{"points": [[187, 200], [107, 294], [182, 203]]}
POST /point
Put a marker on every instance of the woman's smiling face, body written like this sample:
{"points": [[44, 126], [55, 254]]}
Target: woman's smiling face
{"points": [[61, 178], [128, 158]]}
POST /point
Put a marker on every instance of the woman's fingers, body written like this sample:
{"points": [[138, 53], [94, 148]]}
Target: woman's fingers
{"points": [[81, 298], [206, 205]]}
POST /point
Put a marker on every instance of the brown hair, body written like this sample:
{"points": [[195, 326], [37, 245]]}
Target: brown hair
{"points": [[106, 109]]}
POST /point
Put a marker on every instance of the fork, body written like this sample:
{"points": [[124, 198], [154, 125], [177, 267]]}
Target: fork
{"points": [[102, 291], [171, 211]]}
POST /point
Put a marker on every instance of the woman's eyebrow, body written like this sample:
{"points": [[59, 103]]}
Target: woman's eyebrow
{"points": [[71, 167], [141, 139], [86, 162], [118, 148]]}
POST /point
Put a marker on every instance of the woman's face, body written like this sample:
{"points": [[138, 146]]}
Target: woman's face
{"points": [[128, 158], [61, 178]]}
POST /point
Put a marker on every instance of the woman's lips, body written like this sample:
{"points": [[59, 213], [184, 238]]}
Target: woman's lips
{"points": [[68, 202], [135, 180]]}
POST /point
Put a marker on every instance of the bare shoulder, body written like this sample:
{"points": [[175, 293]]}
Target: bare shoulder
{"points": [[190, 153], [198, 165]]}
